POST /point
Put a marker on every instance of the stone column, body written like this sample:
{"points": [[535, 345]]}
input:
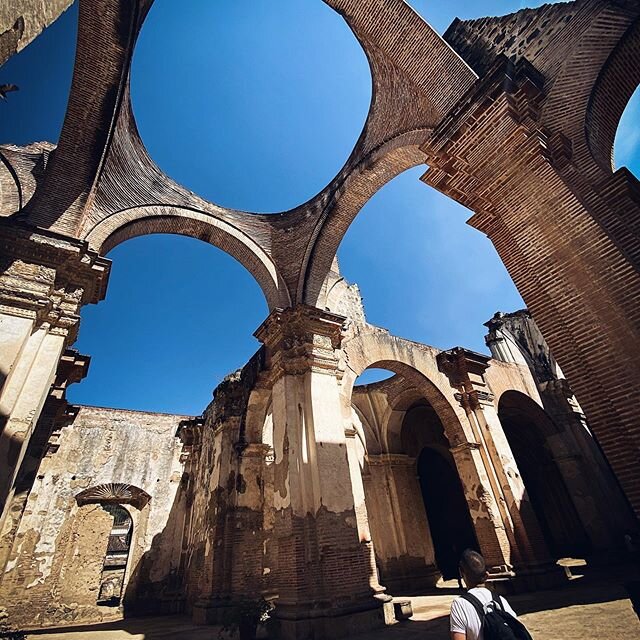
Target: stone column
{"points": [[493, 529], [399, 524], [325, 576], [44, 280], [552, 228], [466, 372]]}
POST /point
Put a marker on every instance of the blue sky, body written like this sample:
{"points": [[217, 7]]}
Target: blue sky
{"points": [[257, 108]]}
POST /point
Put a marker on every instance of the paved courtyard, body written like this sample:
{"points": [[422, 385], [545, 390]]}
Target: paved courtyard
{"points": [[594, 608]]}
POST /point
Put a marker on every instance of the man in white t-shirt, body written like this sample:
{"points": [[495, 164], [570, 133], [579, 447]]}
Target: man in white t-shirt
{"points": [[465, 623]]}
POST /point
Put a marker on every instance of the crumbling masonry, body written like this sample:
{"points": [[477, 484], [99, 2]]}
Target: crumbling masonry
{"points": [[295, 484]]}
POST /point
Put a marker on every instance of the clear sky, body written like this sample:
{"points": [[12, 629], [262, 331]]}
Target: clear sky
{"points": [[256, 104]]}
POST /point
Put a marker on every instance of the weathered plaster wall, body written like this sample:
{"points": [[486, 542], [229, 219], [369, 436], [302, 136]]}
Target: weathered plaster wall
{"points": [[23, 20], [53, 573], [227, 534]]}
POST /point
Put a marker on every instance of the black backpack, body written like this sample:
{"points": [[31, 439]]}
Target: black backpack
{"points": [[497, 624]]}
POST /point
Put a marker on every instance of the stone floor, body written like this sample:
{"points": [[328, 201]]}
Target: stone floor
{"points": [[586, 609]]}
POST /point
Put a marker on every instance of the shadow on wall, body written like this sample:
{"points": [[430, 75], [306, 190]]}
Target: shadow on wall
{"points": [[155, 584]]}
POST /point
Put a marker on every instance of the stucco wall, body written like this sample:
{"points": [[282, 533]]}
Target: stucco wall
{"points": [[54, 569]]}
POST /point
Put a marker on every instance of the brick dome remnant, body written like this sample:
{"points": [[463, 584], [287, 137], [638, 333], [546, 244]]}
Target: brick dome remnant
{"points": [[515, 118]]}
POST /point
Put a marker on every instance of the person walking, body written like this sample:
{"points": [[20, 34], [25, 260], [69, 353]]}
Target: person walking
{"points": [[478, 614]]}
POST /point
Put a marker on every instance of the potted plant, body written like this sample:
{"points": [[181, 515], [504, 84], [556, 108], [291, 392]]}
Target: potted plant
{"points": [[243, 616]]}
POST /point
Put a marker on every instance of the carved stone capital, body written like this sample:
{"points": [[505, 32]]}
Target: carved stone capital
{"points": [[48, 277], [301, 339], [190, 434]]}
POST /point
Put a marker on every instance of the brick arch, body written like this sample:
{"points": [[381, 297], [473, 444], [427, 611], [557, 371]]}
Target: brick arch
{"points": [[377, 169], [379, 350], [145, 220], [258, 417], [611, 93]]}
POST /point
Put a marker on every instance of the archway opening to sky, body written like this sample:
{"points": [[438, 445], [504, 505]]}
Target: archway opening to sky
{"points": [[626, 149], [35, 112], [423, 273], [178, 317], [254, 105]]}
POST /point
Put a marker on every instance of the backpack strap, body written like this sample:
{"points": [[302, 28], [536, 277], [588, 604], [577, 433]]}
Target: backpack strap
{"points": [[477, 605], [496, 602]]}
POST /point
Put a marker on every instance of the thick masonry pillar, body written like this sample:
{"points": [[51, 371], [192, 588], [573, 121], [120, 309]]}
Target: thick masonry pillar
{"points": [[326, 580], [399, 524], [493, 531], [466, 372], [44, 280], [580, 284]]}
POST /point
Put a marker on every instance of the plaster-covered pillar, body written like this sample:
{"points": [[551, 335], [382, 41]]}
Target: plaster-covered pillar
{"points": [[14, 334], [325, 579], [493, 532], [360, 504], [44, 280], [399, 524], [466, 372], [596, 495]]}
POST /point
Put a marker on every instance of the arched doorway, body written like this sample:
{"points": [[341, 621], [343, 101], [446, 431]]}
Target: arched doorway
{"points": [[446, 508], [114, 567], [528, 428], [442, 493]]}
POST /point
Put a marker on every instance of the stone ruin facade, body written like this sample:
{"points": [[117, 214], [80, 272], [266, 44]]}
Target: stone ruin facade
{"points": [[296, 484]]}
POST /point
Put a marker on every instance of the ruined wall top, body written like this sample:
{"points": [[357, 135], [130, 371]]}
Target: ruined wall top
{"points": [[515, 337]]}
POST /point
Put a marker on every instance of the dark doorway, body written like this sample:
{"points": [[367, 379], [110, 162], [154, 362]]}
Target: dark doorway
{"points": [[525, 427], [447, 511]]}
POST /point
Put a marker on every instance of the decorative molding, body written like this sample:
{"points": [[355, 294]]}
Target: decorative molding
{"points": [[391, 460], [465, 446], [114, 493], [300, 340]]}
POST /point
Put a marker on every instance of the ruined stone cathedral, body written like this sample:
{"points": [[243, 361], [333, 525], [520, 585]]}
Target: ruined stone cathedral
{"points": [[295, 484]]}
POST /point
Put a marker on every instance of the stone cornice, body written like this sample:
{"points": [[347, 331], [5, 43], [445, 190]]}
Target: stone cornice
{"points": [[391, 460], [48, 277]]}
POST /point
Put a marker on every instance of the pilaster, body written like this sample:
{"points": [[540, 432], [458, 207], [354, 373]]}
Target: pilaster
{"points": [[44, 280], [465, 370], [325, 578]]}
